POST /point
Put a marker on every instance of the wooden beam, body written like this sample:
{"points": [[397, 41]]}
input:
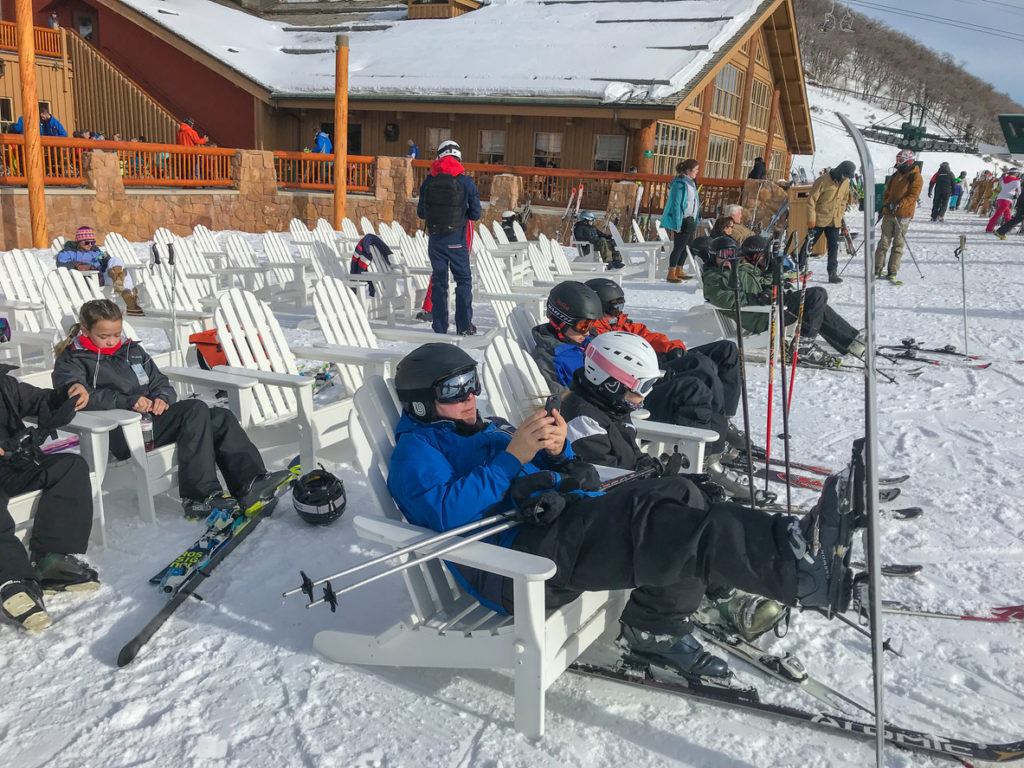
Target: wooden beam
{"points": [[703, 135], [773, 116], [33, 157], [649, 112], [340, 129], [748, 87]]}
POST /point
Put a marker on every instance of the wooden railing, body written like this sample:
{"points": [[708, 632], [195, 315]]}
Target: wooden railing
{"points": [[554, 186], [47, 41], [309, 170], [145, 165]]}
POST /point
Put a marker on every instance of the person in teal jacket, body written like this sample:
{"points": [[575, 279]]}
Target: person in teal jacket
{"points": [[682, 209]]}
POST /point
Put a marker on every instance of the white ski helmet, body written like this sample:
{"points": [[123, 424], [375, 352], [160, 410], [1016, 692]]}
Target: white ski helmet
{"points": [[618, 361], [449, 147], [904, 156]]}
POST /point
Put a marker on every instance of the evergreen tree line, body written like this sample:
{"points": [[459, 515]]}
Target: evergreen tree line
{"points": [[885, 67]]}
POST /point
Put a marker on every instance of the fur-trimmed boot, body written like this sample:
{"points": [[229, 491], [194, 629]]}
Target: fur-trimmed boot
{"points": [[117, 276], [131, 303]]}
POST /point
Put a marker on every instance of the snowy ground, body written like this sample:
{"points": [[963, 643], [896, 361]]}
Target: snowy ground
{"points": [[233, 680]]}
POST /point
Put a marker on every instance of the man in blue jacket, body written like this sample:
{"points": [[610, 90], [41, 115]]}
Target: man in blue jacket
{"points": [[450, 467], [48, 125], [322, 143], [449, 202]]}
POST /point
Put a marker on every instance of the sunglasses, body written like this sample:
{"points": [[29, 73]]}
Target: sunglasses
{"points": [[87, 242], [457, 388]]}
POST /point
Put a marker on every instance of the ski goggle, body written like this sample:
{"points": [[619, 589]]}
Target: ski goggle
{"points": [[615, 307], [644, 386], [726, 254], [457, 388]]}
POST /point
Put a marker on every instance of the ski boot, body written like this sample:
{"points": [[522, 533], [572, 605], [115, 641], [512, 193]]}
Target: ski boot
{"points": [[56, 572], [811, 354], [833, 277], [821, 544], [891, 277], [217, 509], [857, 346], [750, 616], [264, 489], [732, 482], [22, 603], [682, 654]]}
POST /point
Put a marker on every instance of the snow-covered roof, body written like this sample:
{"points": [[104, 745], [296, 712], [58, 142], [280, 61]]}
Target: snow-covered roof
{"points": [[605, 51]]}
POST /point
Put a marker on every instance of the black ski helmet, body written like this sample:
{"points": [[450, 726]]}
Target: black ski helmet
{"points": [[754, 250], [724, 246], [700, 248], [609, 292], [572, 301], [319, 497], [418, 372]]}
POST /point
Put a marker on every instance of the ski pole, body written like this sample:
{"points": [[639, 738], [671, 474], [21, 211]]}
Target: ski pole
{"points": [[735, 284], [796, 337], [771, 383], [781, 309], [906, 244], [961, 256]]}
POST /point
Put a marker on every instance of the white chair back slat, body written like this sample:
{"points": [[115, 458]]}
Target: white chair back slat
{"points": [[344, 322], [117, 245], [348, 229], [540, 264], [514, 384], [367, 226], [499, 233], [21, 276], [519, 232], [299, 231], [163, 236]]}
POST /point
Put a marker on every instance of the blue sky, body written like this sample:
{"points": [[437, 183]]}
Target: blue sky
{"points": [[997, 60]]}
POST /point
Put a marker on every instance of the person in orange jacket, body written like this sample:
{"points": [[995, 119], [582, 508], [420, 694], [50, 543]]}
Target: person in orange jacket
{"points": [[717, 364], [187, 136]]}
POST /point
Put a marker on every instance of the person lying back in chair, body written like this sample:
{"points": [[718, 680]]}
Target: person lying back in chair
{"points": [[84, 255]]}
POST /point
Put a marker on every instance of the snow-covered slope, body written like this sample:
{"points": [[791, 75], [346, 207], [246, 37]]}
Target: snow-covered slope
{"points": [[233, 680], [832, 144]]}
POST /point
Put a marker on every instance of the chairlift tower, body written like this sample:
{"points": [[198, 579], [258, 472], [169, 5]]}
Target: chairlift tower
{"points": [[913, 135]]}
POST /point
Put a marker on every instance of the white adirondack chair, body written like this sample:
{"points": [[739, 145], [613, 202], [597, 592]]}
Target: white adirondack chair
{"points": [[497, 290], [519, 327], [282, 410], [21, 276], [287, 270], [541, 266], [242, 257], [648, 251], [346, 238], [448, 628], [575, 270], [515, 388], [348, 229], [511, 255], [367, 226], [206, 245]]}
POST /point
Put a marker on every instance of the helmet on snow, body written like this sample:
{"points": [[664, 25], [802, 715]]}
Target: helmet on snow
{"points": [[319, 497], [587, 216], [572, 304], [610, 293], [435, 372], [449, 147], [617, 363]]}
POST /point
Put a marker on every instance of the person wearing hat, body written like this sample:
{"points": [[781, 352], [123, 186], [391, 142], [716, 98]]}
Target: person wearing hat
{"points": [[584, 231], [449, 202], [84, 255], [187, 135], [898, 205], [940, 189], [826, 206]]}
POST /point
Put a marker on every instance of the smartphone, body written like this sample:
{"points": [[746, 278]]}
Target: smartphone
{"points": [[554, 401]]}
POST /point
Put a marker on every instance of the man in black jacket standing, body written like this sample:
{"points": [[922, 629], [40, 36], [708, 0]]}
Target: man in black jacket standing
{"points": [[449, 201], [941, 185], [63, 519]]}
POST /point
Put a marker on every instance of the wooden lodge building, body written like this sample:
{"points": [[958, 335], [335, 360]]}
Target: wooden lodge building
{"points": [[583, 84]]}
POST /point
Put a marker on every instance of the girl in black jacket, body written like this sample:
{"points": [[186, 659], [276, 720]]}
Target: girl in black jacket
{"points": [[63, 518], [118, 373]]}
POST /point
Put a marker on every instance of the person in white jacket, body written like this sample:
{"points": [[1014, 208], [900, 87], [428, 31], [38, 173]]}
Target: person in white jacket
{"points": [[1004, 200]]}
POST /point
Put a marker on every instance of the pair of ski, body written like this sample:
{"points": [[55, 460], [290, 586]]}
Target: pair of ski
{"points": [[789, 670], [903, 353]]}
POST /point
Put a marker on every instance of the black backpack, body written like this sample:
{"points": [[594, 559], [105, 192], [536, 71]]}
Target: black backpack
{"points": [[445, 204]]}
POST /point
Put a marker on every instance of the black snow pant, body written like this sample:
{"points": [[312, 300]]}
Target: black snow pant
{"points": [[832, 235], [63, 518], [681, 239], [940, 204], [819, 317], [1018, 217], [646, 537], [208, 439]]}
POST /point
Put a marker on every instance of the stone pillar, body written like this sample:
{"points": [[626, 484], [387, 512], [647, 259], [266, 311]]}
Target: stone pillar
{"points": [[253, 175], [392, 186], [621, 200], [506, 189], [102, 172]]}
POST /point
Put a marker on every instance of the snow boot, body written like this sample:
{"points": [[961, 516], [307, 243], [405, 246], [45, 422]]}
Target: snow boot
{"points": [[682, 654], [750, 616], [57, 572], [834, 277], [22, 603], [471, 331], [821, 543], [673, 276], [264, 489], [117, 276], [736, 438], [131, 303], [616, 264], [216, 506]]}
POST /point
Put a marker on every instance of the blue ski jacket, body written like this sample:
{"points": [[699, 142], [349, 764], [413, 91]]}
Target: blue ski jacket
{"points": [[678, 199], [441, 479], [323, 144], [557, 358]]}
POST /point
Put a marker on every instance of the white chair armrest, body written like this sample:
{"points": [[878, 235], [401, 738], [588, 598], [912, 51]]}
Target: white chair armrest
{"points": [[216, 379], [290, 380]]}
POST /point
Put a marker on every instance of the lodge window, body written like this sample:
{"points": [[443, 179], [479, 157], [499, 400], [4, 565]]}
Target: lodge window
{"points": [[492, 147], [760, 105], [776, 165], [750, 151], [728, 93], [721, 155], [672, 143], [609, 153], [434, 138], [547, 150], [44, 106], [759, 56], [6, 111]]}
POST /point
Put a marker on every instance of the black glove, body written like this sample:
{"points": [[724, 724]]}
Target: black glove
{"points": [[543, 509], [673, 464], [541, 496], [667, 358], [25, 444], [764, 298], [891, 207], [712, 490], [578, 475], [650, 462]]}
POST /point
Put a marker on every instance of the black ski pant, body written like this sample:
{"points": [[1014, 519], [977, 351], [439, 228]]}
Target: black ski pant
{"points": [[647, 537], [940, 204], [691, 397], [63, 519], [819, 317], [208, 439], [832, 235], [1018, 217], [725, 356], [681, 239]]}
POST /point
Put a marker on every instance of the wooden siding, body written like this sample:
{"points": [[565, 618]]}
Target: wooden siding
{"points": [[125, 108], [53, 85]]}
